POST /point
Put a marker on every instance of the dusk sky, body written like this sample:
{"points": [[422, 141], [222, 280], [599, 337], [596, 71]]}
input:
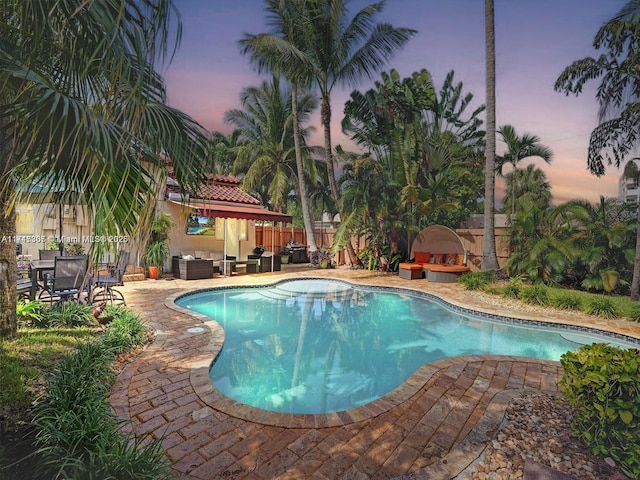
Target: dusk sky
{"points": [[535, 41]]}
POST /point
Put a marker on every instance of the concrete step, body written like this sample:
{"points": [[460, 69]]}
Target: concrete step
{"points": [[133, 277]]}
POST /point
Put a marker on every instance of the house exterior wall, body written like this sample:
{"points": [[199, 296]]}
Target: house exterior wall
{"points": [[179, 241], [39, 224]]}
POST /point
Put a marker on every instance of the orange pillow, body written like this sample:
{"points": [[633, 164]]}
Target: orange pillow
{"points": [[460, 259], [422, 257], [436, 258]]}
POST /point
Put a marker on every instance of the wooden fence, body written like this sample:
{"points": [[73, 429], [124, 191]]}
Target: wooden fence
{"points": [[274, 238]]}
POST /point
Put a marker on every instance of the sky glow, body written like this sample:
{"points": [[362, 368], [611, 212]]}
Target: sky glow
{"points": [[535, 41]]}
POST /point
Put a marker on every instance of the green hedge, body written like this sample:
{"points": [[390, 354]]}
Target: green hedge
{"points": [[602, 384], [78, 435]]}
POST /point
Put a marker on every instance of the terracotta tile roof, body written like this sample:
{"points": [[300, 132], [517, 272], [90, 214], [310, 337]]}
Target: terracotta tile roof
{"points": [[225, 193], [223, 188], [225, 179]]}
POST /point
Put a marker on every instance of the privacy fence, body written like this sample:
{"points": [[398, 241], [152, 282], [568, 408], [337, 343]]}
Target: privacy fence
{"points": [[274, 238]]}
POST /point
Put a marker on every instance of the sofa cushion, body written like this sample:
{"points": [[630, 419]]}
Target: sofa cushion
{"points": [[451, 258], [436, 258], [421, 257], [203, 254], [188, 253]]}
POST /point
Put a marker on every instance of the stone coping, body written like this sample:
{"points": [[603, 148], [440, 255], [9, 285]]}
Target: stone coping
{"points": [[206, 390]]}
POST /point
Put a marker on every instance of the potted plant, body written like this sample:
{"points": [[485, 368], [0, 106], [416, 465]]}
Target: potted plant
{"points": [[154, 257], [285, 253], [322, 259], [157, 251], [74, 249]]}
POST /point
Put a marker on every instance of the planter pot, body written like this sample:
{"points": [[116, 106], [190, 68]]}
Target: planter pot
{"points": [[284, 258], [154, 272]]}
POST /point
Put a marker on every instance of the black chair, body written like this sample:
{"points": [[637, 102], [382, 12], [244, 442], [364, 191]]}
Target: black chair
{"points": [[23, 288], [46, 255], [23, 279], [109, 276], [68, 281]]}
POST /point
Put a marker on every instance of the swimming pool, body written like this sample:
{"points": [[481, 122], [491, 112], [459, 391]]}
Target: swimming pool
{"points": [[319, 346]]}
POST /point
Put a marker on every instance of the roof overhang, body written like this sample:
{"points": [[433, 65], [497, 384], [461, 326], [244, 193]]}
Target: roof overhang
{"points": [[247, 212]]}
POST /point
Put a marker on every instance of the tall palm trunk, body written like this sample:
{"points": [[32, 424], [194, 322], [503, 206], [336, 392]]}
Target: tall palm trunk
{"points": [[325, 117], [489, 256], [302, 186], [8, 263], [513, 190]]}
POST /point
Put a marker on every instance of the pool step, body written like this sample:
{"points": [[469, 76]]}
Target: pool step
{"points": [[274, 294]]}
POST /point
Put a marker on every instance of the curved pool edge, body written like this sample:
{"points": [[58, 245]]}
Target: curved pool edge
{"points": [[207, 392], [214, 399]]}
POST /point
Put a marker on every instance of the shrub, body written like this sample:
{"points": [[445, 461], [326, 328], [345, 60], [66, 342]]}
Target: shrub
{"points": [[78, 435], [567, 301], [635, 313], [602, 384], [32, 314], [125, 331], [475, 280], [536, 294], [70, 314], [601, 306], [512, 290]]}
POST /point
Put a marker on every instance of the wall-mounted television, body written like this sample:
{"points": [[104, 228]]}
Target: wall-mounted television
{"points": [[199, 225]]}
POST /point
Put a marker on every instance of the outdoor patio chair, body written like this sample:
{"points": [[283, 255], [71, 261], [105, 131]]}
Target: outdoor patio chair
{"points": [[69, 280], [23, 288], [46, 255], [109, 276]]}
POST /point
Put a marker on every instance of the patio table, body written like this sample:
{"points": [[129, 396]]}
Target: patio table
{"points": [[38, 266]]}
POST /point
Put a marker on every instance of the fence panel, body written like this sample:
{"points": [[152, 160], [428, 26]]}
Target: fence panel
{"points": [[274, 238]]}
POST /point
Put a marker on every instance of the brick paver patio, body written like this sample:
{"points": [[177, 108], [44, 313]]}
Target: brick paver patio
{"points": [[432, 427]]}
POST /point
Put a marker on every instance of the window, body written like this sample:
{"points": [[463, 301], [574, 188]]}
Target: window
{"points": [[25, 224]]}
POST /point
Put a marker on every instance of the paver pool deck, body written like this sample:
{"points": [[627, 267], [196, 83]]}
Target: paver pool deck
{"points": [[431, 427]]}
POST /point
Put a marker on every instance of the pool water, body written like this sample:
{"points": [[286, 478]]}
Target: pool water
{"points": [[318, 346]]}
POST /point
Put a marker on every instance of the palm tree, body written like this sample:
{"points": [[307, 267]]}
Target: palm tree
{"points": [[423, 138], [631, 170], [541, 241], [519, 148], [220, 153], [90, 113], [489, 255], [283, 52], [372, 207], [265, 151], [616, 136], [528, 183], [342, 52]]}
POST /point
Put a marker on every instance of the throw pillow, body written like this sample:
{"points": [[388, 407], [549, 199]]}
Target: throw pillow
{"points": [[421, 257]]}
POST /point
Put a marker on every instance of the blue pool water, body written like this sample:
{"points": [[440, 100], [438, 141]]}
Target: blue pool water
{"points": [[318, 346]]}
